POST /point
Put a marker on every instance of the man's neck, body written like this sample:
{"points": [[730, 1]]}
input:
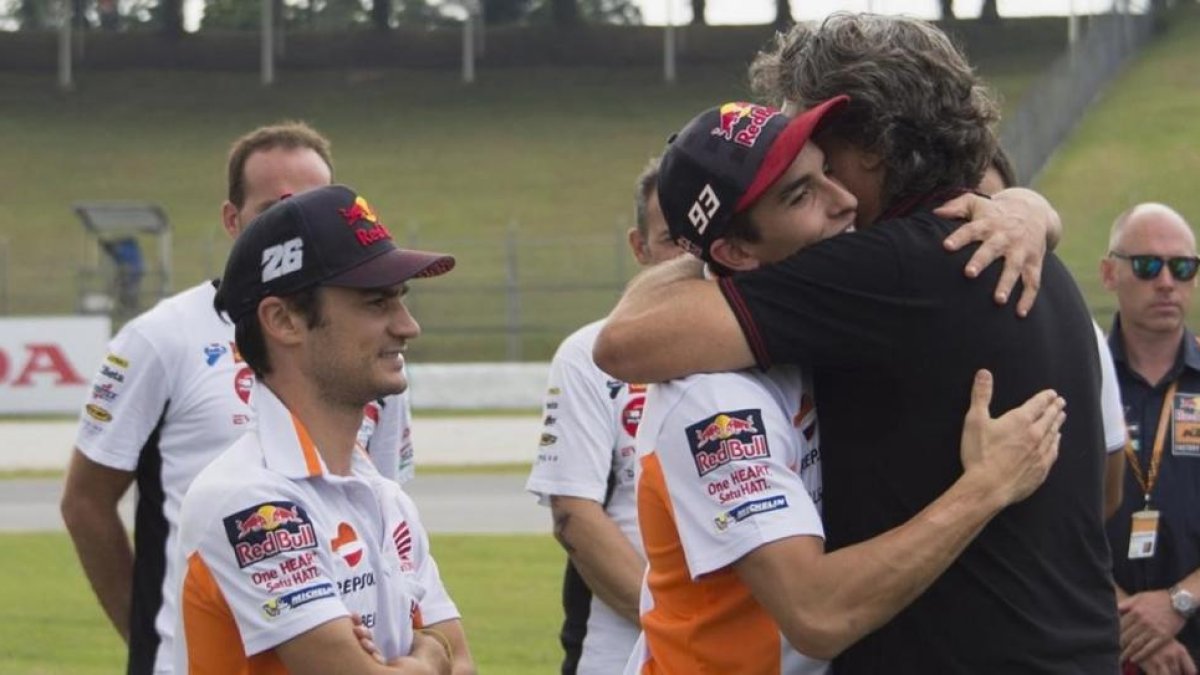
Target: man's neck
{"points": [[333, 428], [1151, 354]]}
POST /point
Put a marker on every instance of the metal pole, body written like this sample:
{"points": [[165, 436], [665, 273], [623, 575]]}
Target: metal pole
{"points": [[164, 253], [268, 42], [3, 275], [480, 43], [513, 291], [66, 80], [468, 50], [1073, 26], [669, 44], [280, 36]]}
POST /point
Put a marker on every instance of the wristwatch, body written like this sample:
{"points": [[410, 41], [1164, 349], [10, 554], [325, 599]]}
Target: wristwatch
{"points": [[1182, 601]]}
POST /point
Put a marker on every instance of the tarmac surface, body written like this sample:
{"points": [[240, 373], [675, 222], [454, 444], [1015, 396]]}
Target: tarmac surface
{"points": [[489, 503], [449, 504], [443, 441]]}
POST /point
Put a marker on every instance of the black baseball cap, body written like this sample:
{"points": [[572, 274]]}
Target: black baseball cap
{"points": [[723, 161], [329, 236]]}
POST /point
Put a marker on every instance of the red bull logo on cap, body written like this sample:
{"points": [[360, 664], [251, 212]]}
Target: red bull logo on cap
{"points": [[268, 529], [730, 117], [362, 212], [726, 437]]}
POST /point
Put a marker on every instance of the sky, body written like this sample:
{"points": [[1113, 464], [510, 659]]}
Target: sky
{"points": [[655, 12], [763, 11]]}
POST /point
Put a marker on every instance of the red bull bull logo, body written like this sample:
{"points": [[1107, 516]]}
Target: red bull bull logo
{"points": [[362, 212], [268, 529], [267, 517], [731, 116], [722, 427], [727, 437]]}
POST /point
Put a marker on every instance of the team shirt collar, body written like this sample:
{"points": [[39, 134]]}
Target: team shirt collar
{"points": [[1190, 357], [287, 447]]}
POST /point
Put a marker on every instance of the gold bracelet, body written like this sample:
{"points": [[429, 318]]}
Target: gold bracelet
{"points": [[442, 640]]}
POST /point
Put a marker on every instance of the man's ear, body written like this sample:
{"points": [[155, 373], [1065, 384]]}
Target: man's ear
{"points": [[279, 323], [870, 161], [637, 244], [1108, 274], [732, 254], [229, 218]]}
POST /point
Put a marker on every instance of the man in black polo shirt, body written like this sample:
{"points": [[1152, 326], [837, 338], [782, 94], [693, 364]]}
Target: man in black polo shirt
{"points": [[1155, 536], [893, 332]]}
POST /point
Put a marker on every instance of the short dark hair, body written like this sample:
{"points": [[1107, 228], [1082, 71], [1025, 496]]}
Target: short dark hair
{"points": [[914, 100], [647, 185], [291, 135], [742, 228], [248, 334]]}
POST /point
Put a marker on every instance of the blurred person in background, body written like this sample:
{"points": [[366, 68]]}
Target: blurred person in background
{"points": [[584, 471]]}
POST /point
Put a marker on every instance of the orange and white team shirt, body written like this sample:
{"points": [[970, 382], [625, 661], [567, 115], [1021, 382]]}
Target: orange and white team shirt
{"points": [[169, 396], [728, 462], [273, 545]]}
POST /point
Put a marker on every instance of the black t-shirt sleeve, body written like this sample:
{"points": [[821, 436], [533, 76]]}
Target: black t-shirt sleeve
{"points": [[842, 303]]}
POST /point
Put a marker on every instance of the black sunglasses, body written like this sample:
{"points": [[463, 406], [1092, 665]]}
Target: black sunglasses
{"points": [[1150, 266]]}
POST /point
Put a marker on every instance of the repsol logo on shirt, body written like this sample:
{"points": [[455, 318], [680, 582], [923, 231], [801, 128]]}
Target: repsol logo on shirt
{"points": [[356, 583]]}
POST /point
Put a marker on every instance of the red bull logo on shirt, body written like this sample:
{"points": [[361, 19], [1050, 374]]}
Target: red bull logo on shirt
{"points": [[731, 116], [267, 530], [726, 437]]}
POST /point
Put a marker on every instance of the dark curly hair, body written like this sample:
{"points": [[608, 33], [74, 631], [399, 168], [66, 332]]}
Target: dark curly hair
{"points": [[914, 100]]}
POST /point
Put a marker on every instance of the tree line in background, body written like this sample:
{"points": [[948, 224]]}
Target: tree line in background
{"points": [[166, 16]]}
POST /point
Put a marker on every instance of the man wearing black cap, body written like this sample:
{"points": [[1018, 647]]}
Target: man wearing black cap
{"points": [[729, 492], [291, 531], [892, 333]]}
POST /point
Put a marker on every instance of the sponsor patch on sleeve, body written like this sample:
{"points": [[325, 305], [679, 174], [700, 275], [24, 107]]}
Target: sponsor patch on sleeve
{"points": [[748, 510], [285, 603], [730, 436], [266, 530], [98, 413]]}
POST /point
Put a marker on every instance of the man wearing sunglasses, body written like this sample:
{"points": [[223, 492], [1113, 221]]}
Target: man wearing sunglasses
{"points": [[1155, 536]]}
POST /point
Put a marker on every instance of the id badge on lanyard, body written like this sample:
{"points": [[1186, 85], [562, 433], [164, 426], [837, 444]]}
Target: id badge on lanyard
{"points": [[1143, 531]]}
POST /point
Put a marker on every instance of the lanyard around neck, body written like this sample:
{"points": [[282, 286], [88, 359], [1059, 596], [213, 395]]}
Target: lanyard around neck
{"points": [[1146, 481]]}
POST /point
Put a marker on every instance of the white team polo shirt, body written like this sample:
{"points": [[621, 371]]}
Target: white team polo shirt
{"points": [[274, 545], [728, 462], [590, 420]]}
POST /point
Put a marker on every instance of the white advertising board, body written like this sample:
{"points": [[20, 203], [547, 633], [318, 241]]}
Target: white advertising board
{"points": [[47, 363]]}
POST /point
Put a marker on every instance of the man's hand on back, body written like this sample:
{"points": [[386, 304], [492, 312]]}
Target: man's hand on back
{"points": [[1010, 455], [1018, 225]]}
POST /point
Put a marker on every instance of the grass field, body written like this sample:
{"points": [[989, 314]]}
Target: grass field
{"points": [[506, 588], [549, 155], [1139, 142]]}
